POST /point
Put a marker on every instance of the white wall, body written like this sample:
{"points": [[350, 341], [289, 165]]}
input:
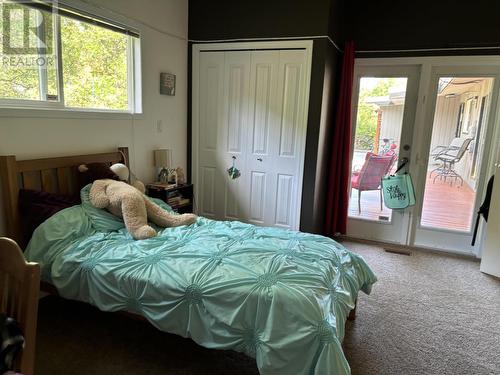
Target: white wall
{"points": [[392, 123], [445, 121], [163, 26]]}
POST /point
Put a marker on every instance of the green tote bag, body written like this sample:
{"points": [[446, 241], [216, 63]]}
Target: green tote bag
{"points": [[398, 191]]}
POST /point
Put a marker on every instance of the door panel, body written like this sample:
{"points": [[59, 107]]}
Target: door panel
{"points": [[490, 261], [235, 133], [384, 106], [264, 78], [291, 92], [232, 210], [264, 118], [237, 86], [291, 133], [459, 128], [211, 105], [277, 81], [377, 143], [208, 179], [283, 200], [258, 197]]}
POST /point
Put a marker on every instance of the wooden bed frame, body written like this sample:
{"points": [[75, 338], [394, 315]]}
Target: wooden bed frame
{"points": [[53, 175]]}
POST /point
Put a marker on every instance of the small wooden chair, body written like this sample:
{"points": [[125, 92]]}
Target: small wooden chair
{"points": [[19, 290]]}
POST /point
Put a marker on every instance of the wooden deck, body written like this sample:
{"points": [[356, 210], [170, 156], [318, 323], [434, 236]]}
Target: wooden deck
{"points": [[445, 206], [370, 206]]}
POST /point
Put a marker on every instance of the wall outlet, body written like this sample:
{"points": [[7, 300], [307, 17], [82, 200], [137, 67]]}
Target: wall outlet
{"points": [[159, 126]]}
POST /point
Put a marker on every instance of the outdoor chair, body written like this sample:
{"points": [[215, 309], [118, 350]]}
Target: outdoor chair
{"points": [[371, 173], [448, 156]]}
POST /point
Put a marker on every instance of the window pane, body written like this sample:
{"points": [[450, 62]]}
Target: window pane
{"points": [[376, 144], [456, 152], [94, 66], [27, 71]]}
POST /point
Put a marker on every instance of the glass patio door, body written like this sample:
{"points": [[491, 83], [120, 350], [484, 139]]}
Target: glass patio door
{"points": [[456, 142], [384, 104]]}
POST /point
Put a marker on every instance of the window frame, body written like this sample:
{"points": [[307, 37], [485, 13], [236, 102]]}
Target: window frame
{"points": [[133, 75]]}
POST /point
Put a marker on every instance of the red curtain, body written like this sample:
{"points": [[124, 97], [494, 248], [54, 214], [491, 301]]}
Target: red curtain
{"points": [[339, 174]]}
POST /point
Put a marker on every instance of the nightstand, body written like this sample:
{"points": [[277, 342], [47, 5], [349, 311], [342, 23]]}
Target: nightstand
{"points": [[179, 197]]}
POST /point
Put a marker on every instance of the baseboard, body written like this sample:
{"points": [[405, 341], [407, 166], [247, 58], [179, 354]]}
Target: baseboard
{"points": [[397, 250], [391, 245]]}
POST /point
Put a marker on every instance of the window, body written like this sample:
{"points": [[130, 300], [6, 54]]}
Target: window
{"points": [[58, 57], [460, 120]]}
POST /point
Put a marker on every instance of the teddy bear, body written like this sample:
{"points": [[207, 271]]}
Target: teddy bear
{"points": [[128, 202], [123, 173]]}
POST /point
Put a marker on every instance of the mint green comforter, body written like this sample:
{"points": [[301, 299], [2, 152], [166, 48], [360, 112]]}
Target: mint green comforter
{"points": [[279, 296]]}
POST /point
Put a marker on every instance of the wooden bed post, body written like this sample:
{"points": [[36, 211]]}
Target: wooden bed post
{"points": [[19, 298], [124, 151], [10, 191]]}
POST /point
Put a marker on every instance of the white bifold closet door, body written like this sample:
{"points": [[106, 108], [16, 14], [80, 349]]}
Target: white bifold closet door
{"points": [[251, 111]]}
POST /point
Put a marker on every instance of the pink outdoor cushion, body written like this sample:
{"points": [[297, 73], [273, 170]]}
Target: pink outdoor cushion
{"points": [[355, 180], [375, 166]]}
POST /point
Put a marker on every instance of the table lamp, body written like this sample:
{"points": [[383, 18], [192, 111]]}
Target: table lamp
{"points": [[163, 160]]}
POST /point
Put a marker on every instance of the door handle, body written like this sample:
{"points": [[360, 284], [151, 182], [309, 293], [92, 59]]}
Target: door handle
{"points": [[259, 159], [404, 161]]}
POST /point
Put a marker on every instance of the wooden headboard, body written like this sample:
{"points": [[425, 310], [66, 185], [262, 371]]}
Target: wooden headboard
{"points": [[54, 175]]}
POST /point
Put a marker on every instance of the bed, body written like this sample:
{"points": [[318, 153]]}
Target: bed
{"points": [[280, 296]]}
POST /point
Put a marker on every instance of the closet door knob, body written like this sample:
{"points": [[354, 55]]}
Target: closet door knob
{"points": [[259, 159]]}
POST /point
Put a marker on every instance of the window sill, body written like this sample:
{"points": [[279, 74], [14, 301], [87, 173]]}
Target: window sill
{"points": [[68, 113]]}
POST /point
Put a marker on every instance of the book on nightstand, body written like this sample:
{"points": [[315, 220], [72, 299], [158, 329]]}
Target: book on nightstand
{"points": [[179, 197]]}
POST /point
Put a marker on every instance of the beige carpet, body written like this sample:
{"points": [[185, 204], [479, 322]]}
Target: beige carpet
{"points": [[428, 314]]}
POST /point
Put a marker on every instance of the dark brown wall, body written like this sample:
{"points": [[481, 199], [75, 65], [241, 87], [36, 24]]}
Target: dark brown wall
{"points": [[223, 19], [322, 140], [309, 184], [337, 22], [424, 24]]}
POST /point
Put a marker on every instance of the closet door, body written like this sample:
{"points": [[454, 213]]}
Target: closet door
{"points": [[263, 121], [251, 112], [223, 134], [210, 118], [276, 139]]}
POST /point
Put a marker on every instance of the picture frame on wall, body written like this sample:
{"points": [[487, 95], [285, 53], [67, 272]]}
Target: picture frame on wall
{"points": [[167, 84]]}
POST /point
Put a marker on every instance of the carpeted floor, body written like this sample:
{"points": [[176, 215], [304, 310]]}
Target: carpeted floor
{"points": [[428, 314]]}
